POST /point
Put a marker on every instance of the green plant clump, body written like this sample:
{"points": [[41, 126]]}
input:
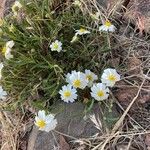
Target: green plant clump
{"points": [[35, 69]]}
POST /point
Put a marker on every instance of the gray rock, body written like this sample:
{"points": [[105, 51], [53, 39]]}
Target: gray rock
{"points": [[70, 122]]}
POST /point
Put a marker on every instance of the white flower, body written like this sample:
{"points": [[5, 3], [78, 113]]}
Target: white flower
{"points": [[91, 77], [77, 3], [110, 77], [56, 46], [82, 31], [7, 49], [3, 93], [78, 80], [99, 91], [107, 26], [16, 7], [45, 122], [68, 76], [68, 93], [1, 67]]}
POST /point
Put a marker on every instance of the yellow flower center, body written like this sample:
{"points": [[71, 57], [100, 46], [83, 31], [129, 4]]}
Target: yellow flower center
{"points": [[82, 30], [67, 94], [55, 46], [41, 123], [108, 23], [77, 83], [112, 77], [100, 93], [89, 77], [4, 50]]}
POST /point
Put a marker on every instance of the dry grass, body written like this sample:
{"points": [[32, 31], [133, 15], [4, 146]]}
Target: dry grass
{"points": [[9, 132], [15, 128]]}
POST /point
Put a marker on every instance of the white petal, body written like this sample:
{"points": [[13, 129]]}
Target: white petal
{"points": [[112, 28], [36, 119], [51, 126], [49, 118], [41, 114], [10, 44]]}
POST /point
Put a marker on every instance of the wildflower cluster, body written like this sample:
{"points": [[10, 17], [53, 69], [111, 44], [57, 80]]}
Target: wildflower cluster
{"points": [[106, 27], [79, 80], [33, 43], [7, 53], [30, 43], [7, 49]]}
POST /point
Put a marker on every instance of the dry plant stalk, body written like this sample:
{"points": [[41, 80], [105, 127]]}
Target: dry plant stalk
{"points": [[9, 140], [9, 131]]}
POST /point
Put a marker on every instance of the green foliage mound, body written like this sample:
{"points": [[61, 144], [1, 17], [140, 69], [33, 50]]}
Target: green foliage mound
{"points": [[36, 72]]}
